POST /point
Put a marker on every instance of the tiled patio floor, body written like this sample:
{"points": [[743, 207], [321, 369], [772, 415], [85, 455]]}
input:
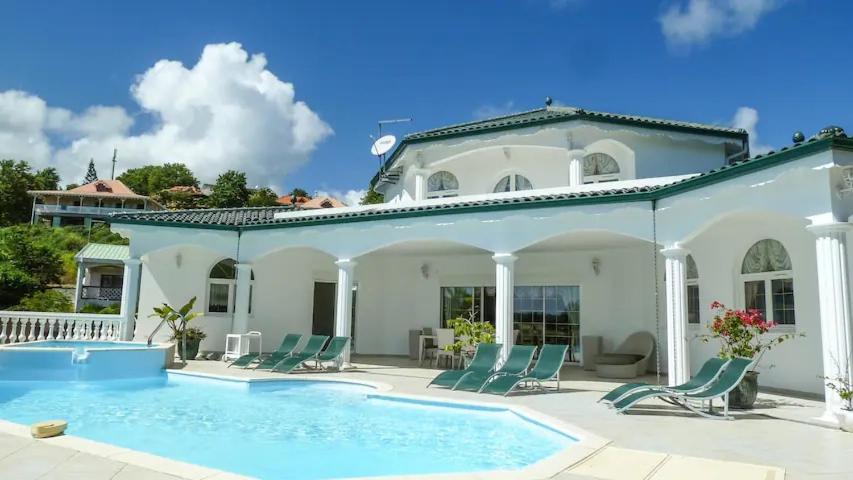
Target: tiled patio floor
{"points": [[661, 443]]}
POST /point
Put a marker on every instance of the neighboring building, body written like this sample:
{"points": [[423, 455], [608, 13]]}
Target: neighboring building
{"points": [[87, 203], [100, 274], [310, 203], [288, 200], [552, 224]]}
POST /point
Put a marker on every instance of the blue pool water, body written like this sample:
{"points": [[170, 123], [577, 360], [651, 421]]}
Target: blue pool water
{"points": [[284, 430], [68, 360]]}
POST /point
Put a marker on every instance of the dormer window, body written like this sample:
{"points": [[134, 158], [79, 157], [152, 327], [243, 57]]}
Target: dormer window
{"points": [[600, 167], [513, 183], [442, 184], [102, 187]]}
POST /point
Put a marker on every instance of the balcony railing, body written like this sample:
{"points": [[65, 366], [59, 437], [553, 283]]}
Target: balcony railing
{"points": [[18, 327], [83, 210], [100, 293]]}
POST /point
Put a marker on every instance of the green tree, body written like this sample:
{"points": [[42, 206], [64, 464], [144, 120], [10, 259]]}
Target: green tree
{"points": [[91, 173], [371, 197], [262, 197], [15, 205], [45, 179], [229, 191], [153, 179], [72, 186], [27, 263], [45, 301], [298, 192]]}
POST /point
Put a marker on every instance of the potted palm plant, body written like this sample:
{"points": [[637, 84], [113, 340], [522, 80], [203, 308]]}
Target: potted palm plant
{"points": [[178, 319], [745, 334], [843, 387]]}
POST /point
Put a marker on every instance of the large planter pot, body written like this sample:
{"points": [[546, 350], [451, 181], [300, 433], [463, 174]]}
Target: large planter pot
{"points": [[845, 420], [192, 348], [744, 395]]}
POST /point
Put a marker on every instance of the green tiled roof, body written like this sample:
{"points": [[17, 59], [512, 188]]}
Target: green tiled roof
{"points": [[542, 116], [560, 114], [264, 217], [103, 252]]}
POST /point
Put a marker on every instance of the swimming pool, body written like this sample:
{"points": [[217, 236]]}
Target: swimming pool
{"points": [[285, 429], [69, 360]]}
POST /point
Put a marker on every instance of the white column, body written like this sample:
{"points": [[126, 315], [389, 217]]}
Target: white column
{"points": [[130, 296], [81, 274], [575, 171], [343, 303], [241, 298], [504, 291], [420, 183], [834, 299], [678, 357]]}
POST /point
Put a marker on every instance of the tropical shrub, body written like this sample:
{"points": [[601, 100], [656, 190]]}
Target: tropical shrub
{"points": [[469, 333], [742, 333]]}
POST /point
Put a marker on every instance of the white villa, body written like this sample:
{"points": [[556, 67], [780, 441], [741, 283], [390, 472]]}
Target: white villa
{"points": [[558, 222]]}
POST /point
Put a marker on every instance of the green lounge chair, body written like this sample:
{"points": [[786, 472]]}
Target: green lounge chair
{"points": [[310, 352], [707, 374], [517, 363], [290, 341], [483, 362], [315, 343], [333, 351], [547, 368], [719, 388]]}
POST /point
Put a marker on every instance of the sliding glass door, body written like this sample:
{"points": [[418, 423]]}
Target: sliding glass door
{"points": [[548, 314], [542, 314]]}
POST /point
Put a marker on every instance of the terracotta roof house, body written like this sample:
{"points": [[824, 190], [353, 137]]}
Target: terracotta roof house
{"points": [[288, 200], [321, 202], [91, 202]]}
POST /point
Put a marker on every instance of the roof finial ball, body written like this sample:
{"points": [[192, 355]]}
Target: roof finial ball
{"points": [[798, 137], [548, 101]]}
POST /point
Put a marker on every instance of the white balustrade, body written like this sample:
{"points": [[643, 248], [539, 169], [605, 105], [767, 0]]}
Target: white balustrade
{"points": [[20, 327]]}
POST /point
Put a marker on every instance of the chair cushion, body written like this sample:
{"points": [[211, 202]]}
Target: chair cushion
{"points": [[617, 359]]}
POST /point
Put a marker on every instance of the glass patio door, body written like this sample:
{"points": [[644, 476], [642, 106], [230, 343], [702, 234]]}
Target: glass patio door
{"points": [[548, 314]]}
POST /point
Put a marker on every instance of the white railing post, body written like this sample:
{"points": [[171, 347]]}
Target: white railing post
{"points": [[2, 331]]}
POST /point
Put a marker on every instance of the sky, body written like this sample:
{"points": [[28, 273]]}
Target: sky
{"points": [[290, 92]]}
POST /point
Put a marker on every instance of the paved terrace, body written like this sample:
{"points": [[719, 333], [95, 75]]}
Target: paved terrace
{"points": [[660, 443]]}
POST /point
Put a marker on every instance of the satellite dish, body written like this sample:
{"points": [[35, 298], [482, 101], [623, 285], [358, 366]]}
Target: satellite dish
{"points": [[383, 144]]}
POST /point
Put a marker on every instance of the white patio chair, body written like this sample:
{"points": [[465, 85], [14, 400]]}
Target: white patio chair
{"points": [[443, 338]]}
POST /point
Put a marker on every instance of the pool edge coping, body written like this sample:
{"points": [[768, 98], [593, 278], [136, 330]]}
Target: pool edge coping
{"points": [[586, 444]]}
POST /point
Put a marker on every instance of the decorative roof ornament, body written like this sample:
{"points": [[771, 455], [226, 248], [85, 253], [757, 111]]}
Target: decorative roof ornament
{"points": [[831, 131], [548, 101], [798, 137]]}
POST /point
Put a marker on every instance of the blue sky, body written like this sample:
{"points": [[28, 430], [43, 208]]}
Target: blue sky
{"points": [[353, 63]]}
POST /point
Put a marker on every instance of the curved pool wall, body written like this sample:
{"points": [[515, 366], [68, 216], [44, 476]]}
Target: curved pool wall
{"points": [[62, 360]]}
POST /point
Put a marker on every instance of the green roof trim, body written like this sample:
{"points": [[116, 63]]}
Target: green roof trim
{"points": [[103, 252], [547, 115], [193, 219]]}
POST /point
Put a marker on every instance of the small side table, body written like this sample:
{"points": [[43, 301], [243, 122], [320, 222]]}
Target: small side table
{"points": [[239, 344], [590, 347]]}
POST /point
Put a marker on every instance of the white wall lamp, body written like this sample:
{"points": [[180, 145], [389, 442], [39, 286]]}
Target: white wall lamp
{"points": [[596, 265], [179, 259], [425, 271]]}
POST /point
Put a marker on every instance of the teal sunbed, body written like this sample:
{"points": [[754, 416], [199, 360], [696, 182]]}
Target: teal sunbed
{"points": [[290, 341], [483, 363], [315, 343], [707, 374], [547, 368], [336, 346], [719, 388], [333, 351], [517, 363]]}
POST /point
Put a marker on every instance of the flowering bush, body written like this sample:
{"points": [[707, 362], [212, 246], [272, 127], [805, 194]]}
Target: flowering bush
{"points": [[742, 332]]}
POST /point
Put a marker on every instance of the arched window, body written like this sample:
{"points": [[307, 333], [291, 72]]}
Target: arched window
{"points": [[600, 167], [768, 282], [221, 284], [693, 304], [442, 184], [512, 183]]}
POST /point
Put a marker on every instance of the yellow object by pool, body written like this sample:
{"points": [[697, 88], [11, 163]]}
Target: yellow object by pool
{"points": [[50, 428]]}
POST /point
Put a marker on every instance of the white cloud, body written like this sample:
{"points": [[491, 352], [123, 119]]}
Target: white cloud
{"points": [[488, 111], [226, 111], [696, 22], [350, 197], [747, 119]]}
